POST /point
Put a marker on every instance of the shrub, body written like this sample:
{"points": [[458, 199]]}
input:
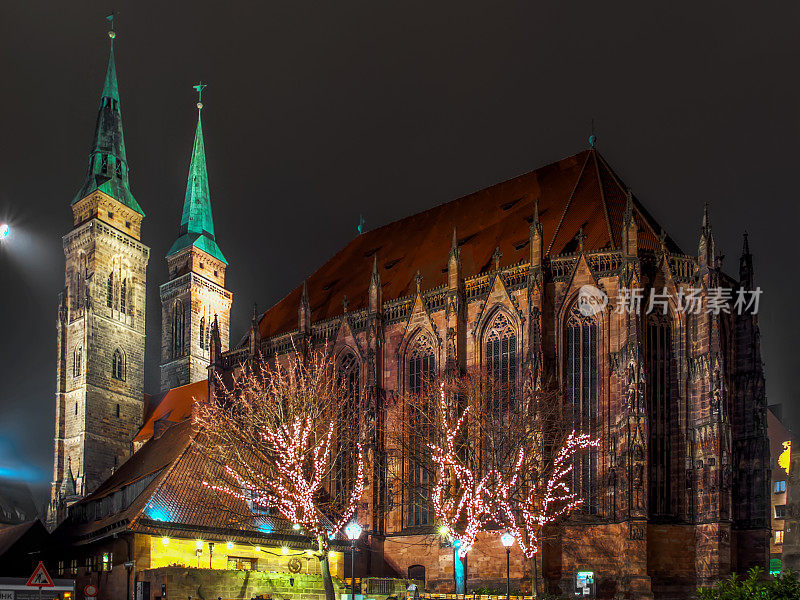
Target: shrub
{"points": [[754, 587]]}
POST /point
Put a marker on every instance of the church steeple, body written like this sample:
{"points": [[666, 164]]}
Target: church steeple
{"points": [[108, 170], [195, 294], [197, 223]]}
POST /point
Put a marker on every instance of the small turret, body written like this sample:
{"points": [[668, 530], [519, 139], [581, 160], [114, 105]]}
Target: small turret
{"points": [[706, 245], [375, 294], [629, 228], [535, 239], [746, 265], [304, 312], [454, 263], [255, 331]]}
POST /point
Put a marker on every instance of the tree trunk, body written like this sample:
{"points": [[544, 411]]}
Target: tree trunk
{"points": [[325, 568]]}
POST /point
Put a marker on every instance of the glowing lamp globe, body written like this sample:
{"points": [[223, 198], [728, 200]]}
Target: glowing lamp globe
{"points": [[507, 540], [5, 231], [284, 550], [353, 531], [165, 541], [199, 544], [444, 531], [229, 545]]}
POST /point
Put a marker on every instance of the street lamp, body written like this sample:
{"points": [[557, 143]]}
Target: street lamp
{"points": [[353, 531], [5, 231], [508, 540]]}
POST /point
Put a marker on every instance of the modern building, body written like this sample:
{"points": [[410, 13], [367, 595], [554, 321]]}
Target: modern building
{"points": [[784, 546]]}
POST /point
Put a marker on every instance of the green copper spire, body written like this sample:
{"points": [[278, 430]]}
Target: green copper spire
{"points": [[197, 223], [108, 165]]}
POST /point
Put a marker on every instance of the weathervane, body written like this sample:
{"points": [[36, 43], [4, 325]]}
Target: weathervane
{"points": [[112, 34], [199, 89], [361, 223]]}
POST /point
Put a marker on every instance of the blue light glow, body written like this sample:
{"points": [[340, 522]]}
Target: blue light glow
{"points": [[157, 513], [264, 528]]}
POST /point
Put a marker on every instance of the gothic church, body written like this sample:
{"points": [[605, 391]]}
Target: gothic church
{"points": [[676, 495]]}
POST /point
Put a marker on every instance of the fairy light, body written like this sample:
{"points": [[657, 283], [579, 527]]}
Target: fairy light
{"points": [[301, 456], [460, 499]]}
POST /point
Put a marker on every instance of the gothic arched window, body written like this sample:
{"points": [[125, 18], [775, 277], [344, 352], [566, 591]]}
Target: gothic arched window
{"points": [[662, 414], [110, 290], [580, 397], [123, 296], [118, 365], [76, 361], [501, 364], [421, 370], [348, 424], [178, 329], [202, 333]]}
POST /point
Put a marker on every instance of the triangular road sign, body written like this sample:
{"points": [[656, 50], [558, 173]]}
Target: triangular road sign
{"points": [[40, 578]]}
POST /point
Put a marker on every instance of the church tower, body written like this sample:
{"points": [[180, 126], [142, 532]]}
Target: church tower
{"points": [[195, 293], [101, 318]]}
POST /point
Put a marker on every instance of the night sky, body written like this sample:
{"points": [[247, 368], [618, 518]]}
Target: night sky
{"points": [[316, 112]]}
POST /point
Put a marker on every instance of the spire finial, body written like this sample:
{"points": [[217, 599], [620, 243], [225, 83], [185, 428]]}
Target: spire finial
{"points": [[592, 137], [255, 311], [418, 279], [375, 265], [745, 243], [361, 223], [111, 33], [199, 89], [345, 303], [454, 243], [706, 220]]}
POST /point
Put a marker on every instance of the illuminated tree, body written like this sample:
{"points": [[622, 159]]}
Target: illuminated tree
{"points": [[501, 457], [273, 432]]}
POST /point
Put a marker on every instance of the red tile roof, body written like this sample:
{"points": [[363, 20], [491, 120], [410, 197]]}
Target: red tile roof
{"points": [[174, 407], [581, 191]]}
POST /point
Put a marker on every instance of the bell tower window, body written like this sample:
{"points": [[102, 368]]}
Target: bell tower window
{"points": [[118, 365], [178, 329]]}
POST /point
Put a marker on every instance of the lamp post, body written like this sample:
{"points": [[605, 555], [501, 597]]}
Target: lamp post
{"points": [[508, 540], [353, 531]]}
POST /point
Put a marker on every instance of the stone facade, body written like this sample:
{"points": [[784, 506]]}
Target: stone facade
{"points": [[679, 489], [101, 334], [192, 299]]}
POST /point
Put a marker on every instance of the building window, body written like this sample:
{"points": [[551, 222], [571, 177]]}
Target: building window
{"points": [[118, 365], [110, 290], [236, 563], [779, 537], [77, 362], [348, 417], [661, 412], [73, 566], [178, 329], [60, 568], [202, 333], [580, 398], [123, 296], [780, 487], [501, 365], [108, 560], [104, 163], [780, 511], [421, 370], [117, 411], [76, 408]]}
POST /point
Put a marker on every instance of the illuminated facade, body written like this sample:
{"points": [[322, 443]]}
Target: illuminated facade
{"points": [[675, 493], [101, 319]]}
